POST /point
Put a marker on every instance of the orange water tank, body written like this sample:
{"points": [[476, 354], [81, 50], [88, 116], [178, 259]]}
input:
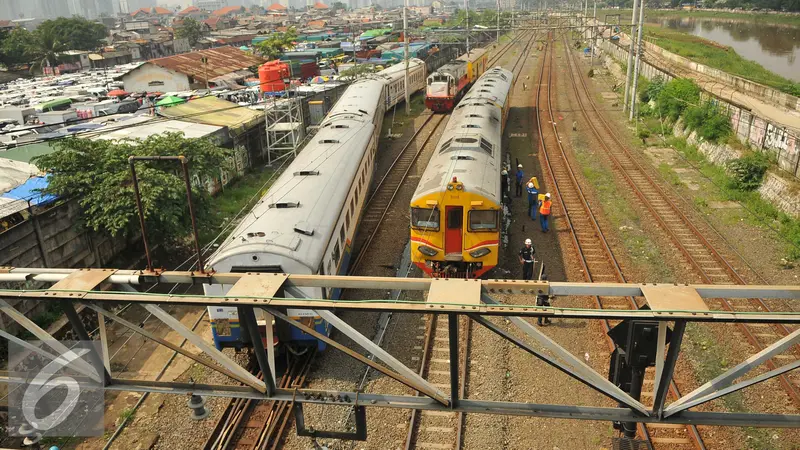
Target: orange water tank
{"points": [[271, 76]]}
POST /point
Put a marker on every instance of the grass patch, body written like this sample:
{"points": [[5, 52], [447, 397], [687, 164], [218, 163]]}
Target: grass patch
{"points": [[396, 118], [717, 56], [623, 217], [224, 206], [126, 414]]}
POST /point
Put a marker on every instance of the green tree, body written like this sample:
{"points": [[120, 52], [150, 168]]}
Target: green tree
{"points": [[338, 5], [45, 49], [15, 47], [74, 33], [190, 29], [97, 174], [676, 96], [277, 43]]}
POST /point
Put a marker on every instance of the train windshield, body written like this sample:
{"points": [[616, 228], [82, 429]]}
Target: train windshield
{"points": [[483, 220], [425, 218]]}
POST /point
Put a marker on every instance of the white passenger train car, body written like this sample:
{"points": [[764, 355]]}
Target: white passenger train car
{"points": [[306, 223]]}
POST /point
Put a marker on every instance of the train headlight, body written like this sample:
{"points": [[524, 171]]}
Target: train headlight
{"points": [[480, 252], [427, 251]]}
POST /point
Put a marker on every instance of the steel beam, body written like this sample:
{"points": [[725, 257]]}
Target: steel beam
{"points": [[77, 326], [358, 356], [376, 350], [664, 376], [467, 406], [248, 318], [452, 334], [141, 331], [61, 349], [726, 378], [574, 364], [216, 355]]}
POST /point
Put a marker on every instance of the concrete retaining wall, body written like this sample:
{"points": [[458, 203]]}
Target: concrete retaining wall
{"points": [[781, 192], [757, 132], [53, 238]]}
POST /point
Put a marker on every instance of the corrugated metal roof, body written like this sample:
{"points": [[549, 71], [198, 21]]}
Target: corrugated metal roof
{"points": [[190, 130], [214, 111], [221, 61]]}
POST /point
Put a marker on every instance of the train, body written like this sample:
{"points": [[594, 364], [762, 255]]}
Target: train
{"points": [[306, 222], [446, 86], [457, 213]]}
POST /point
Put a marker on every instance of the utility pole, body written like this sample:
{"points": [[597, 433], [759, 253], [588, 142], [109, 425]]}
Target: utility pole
{"points": [[405, 55], [498, 21], [594, 27], [466, 8], [639, 48], [630, 56]]}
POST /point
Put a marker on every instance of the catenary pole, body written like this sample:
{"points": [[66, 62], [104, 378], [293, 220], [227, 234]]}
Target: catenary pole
{"points": [[632, 38], [639, 48], [405, 55], [466, 8], [594, 28]]}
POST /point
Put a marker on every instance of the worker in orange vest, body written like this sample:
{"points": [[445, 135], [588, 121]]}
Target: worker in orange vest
{"points": [[544, 212]]}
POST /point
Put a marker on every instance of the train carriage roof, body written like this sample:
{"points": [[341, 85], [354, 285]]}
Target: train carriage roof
{"points": [[471, 146], [298, 214]]}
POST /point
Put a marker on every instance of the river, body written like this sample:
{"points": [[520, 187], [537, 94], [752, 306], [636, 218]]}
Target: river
{"points": [[776, 47]]}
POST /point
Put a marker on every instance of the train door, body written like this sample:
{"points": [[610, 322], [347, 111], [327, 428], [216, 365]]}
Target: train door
{"points": [[454, 223]]}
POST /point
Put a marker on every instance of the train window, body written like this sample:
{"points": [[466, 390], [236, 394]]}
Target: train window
{"points": [[342, 234], [483, 220], [336, 253], [487, 146], [476, 116], [455, 218], [347, 221], [328, 141], [352, 205], [425, 218], [470, 125], [358, 188], [446, 145], [466, 140]]}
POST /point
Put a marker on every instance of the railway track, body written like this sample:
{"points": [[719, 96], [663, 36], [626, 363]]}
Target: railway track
{"points": [[596, 257], [444, 430], [248, 424], [709, 263]]}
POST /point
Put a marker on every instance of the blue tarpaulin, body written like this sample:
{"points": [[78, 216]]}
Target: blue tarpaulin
{"points": [[30, 191]]}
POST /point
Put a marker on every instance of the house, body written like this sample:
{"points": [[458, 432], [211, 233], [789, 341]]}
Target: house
{"points": [[7, 25], [194, 12], [215, 23], [156, 12], [319, 6], [276, 7], [194, 70], [229, 11]]}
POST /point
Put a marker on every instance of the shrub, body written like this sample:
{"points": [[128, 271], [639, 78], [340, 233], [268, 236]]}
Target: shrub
{"points": [[676, 96], [748, 171], [709, 123], [644, 133], [652, 89]]}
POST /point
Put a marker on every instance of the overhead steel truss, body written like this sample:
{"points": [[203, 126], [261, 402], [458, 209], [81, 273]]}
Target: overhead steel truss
{"points": [[670, 305]]}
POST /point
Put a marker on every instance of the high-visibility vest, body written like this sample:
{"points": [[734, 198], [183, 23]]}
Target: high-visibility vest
{"points": [[545, 208]]}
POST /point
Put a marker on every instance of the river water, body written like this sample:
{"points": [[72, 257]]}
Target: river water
{"points": [[776, 47]]}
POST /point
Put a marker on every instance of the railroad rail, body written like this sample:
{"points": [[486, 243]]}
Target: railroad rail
{"points": [[248, 424], [708, 261], [595, 255]]}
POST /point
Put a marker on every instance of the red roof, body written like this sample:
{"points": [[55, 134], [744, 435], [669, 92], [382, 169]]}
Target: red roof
{"points": [[320, 5], [276, 7], [212, 21], [227, 10], [220, 61], [156, 10], [189, 10]]}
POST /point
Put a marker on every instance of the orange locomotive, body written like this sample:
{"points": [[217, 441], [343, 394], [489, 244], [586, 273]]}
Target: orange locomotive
{"points": [[447, 85]]}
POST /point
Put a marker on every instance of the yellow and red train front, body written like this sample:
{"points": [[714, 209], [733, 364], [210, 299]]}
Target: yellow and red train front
{"points": [[455, 233]]}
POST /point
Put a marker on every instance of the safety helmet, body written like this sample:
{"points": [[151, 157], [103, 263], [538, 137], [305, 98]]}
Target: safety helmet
{"points": [[547, 195], [519, 166], [504, 172], [530, 185], [528, 242]]}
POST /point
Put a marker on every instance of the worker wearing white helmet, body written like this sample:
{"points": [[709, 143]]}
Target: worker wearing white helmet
{"points": [[533, 199], [526, 259], [504, 184]]}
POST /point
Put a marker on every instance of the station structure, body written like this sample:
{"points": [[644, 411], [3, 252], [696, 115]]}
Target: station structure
{"points": [[670, 307]]}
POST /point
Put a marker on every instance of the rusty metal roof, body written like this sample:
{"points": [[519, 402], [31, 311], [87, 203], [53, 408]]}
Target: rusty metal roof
{"points": [[221, 61]]}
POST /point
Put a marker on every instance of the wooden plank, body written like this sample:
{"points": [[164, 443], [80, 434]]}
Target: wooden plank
{"points": [[673, 298], [258, 285], [83, 280], [453, 291]]}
